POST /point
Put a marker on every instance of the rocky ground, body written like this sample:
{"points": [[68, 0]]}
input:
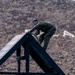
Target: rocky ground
{"points": [[16, 16]]}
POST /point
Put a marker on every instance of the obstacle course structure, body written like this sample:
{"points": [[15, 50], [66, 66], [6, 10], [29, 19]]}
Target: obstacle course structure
{"points": [[32, 48]]}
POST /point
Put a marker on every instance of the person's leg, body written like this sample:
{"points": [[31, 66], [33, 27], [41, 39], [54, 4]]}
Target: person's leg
{"points": [[46, 41], [41, 38], [47, 37]]}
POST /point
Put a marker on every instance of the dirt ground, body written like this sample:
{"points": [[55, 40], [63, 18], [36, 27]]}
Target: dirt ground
{"points": [[17, 15]]}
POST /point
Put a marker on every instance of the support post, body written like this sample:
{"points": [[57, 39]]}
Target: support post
{"points": [[18, 53], [26, 52]]}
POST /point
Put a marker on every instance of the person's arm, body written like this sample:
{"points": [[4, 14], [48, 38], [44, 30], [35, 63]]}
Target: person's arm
{"points": [[33, 29], [37, 32]]}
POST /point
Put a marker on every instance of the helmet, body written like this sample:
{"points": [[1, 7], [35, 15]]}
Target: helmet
{"points": [[35, 20]]}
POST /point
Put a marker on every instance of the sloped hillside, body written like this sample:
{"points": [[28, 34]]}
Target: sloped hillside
{"points": [[17, 15]]}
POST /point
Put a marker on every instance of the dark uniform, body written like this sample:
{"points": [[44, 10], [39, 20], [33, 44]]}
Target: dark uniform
{"points": [[48, 30]]}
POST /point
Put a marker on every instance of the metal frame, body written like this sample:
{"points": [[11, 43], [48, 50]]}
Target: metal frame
{"points": [[25, 57], [31, 46]]}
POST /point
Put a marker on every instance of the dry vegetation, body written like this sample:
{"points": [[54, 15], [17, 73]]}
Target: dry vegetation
{"points": [[16, 16]]}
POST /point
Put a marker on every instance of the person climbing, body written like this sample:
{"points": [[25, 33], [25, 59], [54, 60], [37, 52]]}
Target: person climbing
{"points": [[47, 29]]}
